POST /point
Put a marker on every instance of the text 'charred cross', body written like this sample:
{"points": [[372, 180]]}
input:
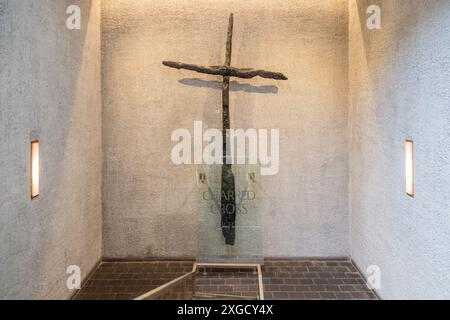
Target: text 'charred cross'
{"points": [[228, 198]]}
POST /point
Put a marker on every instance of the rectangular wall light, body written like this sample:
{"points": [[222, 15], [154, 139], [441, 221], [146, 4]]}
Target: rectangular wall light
{"points": [[35, 169], [409, 167]]}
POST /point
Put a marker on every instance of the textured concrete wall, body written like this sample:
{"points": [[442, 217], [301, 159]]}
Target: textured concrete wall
{"points": [[399, 80], [149, 203], [49, 90]]}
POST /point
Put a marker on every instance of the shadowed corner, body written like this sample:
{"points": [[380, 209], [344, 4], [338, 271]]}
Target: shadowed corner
{"points": [[234, 86]]}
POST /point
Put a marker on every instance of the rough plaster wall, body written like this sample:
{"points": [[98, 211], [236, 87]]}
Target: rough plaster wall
{"points": [[149, 204], [49, 90], [399, 80]]}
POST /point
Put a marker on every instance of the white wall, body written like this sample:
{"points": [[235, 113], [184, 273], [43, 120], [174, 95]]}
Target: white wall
{"points": [[399, 89], [149, 203], [49, 90]]}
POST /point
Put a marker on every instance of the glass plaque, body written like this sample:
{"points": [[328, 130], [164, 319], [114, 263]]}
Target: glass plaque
{"points": [[242, 230]]}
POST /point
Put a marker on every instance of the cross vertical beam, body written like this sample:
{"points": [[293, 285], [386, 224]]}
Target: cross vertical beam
{"points": [[228, 188], [226, 93]]}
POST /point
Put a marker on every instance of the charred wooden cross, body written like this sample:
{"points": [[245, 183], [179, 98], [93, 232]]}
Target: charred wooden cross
{"points": [[228, 193]]}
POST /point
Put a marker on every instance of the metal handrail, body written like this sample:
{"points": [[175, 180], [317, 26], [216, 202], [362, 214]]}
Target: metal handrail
{"points": [[160, 291]]}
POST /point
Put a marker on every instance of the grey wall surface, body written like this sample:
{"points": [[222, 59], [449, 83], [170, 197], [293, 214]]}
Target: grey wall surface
{"points": [[149, 204], [49, 90], [399, 80]]}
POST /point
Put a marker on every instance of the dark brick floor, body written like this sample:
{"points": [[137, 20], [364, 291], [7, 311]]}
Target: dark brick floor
{"points": [[233, 282], [306, 280], [128, 280], [299, 280]]}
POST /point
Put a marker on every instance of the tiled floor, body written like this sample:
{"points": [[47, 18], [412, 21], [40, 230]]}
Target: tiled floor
{"points": [[302, 280], [232, 282], [290, 279], [128, 280]]}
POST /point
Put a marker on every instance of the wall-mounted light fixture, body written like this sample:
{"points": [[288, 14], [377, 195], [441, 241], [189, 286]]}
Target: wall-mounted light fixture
{"points": [[35, 169], [409, 167]]}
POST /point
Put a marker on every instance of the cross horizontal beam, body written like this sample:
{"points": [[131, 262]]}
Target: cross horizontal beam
{"points": [[227, 71]]}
